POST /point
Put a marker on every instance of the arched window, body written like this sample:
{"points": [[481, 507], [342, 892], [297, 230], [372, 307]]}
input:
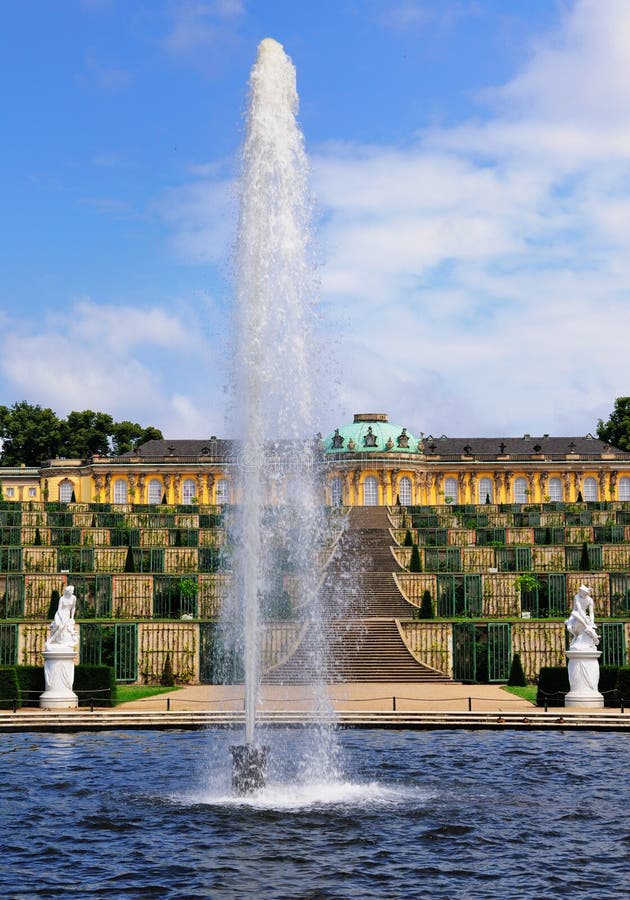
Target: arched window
{"points": [[589, 489], [188, 490], [404, 491], [155, 491], [336, 492], [370, 491], [519, 489], [120, 491], [485, 490], [223, 491], [624, 488], [450, 490], [554, 489], [65, 491]]}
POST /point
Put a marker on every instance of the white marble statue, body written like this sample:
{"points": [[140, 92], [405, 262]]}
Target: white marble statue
{"points": [[59, 654], [62, 631], [583, 655], [581, 622]]}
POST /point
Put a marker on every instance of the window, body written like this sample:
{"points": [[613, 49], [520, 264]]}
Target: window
{"points": [[188, 490], [370, 491], [223, 491], [485, 490], [65, 492], [120, 491], [404, 491], [450, 490], [520, 489], [624, 488], [155, 491], [32, 492], [336, 492], [10, 492], [589, 489], [554, 489]]}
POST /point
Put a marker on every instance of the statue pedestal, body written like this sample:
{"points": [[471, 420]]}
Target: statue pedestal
{"points": [[59, 677], [584, 678]]}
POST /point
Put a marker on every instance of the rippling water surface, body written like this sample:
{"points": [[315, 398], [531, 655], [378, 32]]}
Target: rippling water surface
{"points": [[415, 815]]}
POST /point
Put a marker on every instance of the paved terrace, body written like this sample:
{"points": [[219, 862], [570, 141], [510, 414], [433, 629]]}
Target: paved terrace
{"points": [[357, 705]]}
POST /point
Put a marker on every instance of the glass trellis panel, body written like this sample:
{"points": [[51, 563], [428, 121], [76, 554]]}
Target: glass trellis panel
{"points": [[155, 491], [11, 596], [499, 651], [447, 559], [209, 559], [10, 559], [573, 557], [336, 492], [8, 645], [65, 492], [224, 492], [486, 536], [554, 490], [189, 490], [404, 491], [69, 536], [513, 559], [619, 595], [75, 559], [11, 536], [459, 595], [464, 652], [519, 490], [91, 644], [624, 488], [126, 651], [609, 534], [589, 489], [148, 559], [120, 491], [370, 491], [613, 643], [451, 490], [433, 537], [173, 596], [486, 490], [553, 534]]}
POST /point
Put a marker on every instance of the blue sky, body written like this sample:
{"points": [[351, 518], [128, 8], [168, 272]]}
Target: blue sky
{"points": [[471, 166]]}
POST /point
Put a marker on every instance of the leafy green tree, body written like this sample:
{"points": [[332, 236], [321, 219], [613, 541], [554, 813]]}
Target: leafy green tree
{"points": [[426, 607], [616, 431], [87, 434], [129, 435], [29, 434]]}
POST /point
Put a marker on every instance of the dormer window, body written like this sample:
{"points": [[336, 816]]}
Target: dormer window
{"points": [[370, 439], [337, 440]]}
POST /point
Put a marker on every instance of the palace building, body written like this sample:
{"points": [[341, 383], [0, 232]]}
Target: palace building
{"points": [[368, 462]]}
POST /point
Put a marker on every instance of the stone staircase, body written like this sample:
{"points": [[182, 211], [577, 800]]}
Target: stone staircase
{"points": [[357, 639]]}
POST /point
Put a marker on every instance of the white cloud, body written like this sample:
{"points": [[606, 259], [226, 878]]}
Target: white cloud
{"points": [[199, 25], [477, 280]]}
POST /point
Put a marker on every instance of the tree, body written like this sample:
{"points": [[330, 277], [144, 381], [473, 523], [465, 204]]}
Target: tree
{"points": [[426, 606], [516, 677], [415, 564], [29, 434], [616, 431], [129, 435], [87, 434]]}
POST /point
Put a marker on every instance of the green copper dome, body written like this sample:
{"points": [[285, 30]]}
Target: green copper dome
{"points": [[371, 433]]}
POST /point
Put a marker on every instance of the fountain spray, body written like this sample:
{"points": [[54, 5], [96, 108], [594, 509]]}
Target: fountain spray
{"points": [[273, 377]]}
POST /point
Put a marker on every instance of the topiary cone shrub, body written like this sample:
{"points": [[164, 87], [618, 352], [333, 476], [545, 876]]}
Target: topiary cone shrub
{"points": [[517, 675], [408, 539], [415, 564], [426, 606], [167, 679], [130, 565], [53, 606], [37, 541]]}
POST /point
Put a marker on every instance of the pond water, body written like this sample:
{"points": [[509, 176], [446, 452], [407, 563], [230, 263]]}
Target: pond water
{"points": [[448, 814]]}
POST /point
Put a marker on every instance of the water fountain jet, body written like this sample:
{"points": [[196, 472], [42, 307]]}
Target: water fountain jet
{"points": [[273, 388]]}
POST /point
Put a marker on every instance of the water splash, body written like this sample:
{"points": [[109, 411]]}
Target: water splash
{"points": [[279, 527]]}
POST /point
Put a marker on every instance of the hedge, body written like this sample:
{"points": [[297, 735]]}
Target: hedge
{"points": [[95, 683], [31, 681], [623, 683], [553, 681], [9, 688]]}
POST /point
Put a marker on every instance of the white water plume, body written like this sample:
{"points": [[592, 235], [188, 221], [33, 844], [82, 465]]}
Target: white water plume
{"points": [[279, 520]]}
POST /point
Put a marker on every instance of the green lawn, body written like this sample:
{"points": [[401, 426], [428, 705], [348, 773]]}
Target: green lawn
{"points": [[526, 693], [127, 692]]}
